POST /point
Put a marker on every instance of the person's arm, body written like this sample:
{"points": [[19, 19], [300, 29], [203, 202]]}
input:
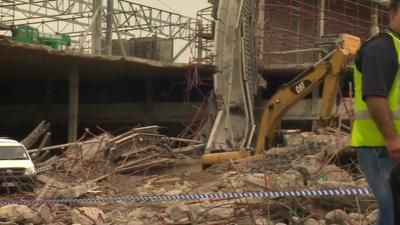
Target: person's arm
{"points": [[378, 107]]}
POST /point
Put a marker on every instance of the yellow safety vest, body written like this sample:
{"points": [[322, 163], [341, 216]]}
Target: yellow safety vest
{"points": [[365, 132]]}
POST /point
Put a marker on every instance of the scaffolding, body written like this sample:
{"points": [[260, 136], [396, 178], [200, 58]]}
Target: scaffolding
{"points": [[204, 37], [293, 27], [101, 19]]}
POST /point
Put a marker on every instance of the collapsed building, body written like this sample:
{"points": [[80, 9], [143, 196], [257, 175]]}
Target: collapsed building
{"points": [[288, 40], [101, 107]]}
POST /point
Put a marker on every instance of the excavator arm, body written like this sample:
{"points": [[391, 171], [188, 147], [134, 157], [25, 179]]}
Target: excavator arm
{"points": [[327, 71]]}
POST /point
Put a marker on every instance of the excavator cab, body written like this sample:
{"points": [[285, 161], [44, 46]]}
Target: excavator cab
{"points": [[327, 71]]}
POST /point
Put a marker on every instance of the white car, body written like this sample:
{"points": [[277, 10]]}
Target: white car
{"points": [[16, 167]]}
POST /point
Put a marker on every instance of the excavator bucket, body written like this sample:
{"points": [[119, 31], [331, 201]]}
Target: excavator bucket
{"points": [[351, 43]]}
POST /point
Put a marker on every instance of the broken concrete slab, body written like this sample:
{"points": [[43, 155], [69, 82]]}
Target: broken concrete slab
{"points": [[77, 191], [44, 213], [18, 214], [45, 179], [337, 216], [87, 216], [177, 212], [150, 169]]}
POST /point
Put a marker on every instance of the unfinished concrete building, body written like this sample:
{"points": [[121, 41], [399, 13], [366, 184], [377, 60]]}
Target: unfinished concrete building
{"points": [[115, 91], [104, 79]]}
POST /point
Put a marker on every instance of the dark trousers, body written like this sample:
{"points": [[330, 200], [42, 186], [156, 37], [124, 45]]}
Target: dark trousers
{"points": [[377, 166], [395, 184]]}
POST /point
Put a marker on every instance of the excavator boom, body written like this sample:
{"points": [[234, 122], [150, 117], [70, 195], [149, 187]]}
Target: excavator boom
{"points": [[327, 71], [290, 94]]}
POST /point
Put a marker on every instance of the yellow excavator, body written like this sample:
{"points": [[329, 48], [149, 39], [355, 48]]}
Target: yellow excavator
{"points": [[328, 71]]}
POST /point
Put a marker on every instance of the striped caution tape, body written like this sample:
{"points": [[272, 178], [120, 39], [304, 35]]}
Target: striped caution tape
{"points": [[186, 197]]}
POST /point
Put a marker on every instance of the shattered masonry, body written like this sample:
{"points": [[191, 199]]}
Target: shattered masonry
{"points": [[144, 162]]}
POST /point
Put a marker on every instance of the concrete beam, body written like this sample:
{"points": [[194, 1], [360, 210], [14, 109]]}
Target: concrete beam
{"points": [[129, 113], [39, 62]]}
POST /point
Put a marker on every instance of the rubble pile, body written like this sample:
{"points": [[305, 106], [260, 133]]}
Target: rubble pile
{"points": [[144, 162]]}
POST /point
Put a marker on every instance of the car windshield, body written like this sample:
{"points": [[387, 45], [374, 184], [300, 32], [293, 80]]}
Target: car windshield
{"points": [[13, 153]]}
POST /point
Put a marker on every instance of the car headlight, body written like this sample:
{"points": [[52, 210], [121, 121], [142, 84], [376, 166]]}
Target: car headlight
{"points": [[30, 171]]}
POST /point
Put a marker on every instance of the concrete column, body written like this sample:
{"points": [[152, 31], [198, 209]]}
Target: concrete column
{"points": [[149, 91], [96, 30], [148, 102], [110, 12], [73, 106], [48, 97]]}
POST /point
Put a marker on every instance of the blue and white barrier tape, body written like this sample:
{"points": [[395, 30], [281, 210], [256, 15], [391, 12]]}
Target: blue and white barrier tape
{"points": [[191, 197]]}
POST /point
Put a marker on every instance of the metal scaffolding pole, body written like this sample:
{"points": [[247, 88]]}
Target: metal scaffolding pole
{"points": [[74, 18], [321, 18], [261, 28], [321, 32], [374, 20], [96, 34], [109, 24]]}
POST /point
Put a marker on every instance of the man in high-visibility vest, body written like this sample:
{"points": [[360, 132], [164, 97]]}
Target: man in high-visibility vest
{"points": [[376, 126]]}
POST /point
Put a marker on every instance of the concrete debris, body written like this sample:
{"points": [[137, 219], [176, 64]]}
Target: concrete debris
{"points": [[329, 185], [144, 162], [355, 218], [220, 213], [19, 214], [362, 183], [141, 213], [311, 222], [35, 134], [135, 223], [177, 213], [87, 216], [372, 217], [77, 191], [337, 216], [290, 179], [45, 179], [256, 179], [44, 213]]}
